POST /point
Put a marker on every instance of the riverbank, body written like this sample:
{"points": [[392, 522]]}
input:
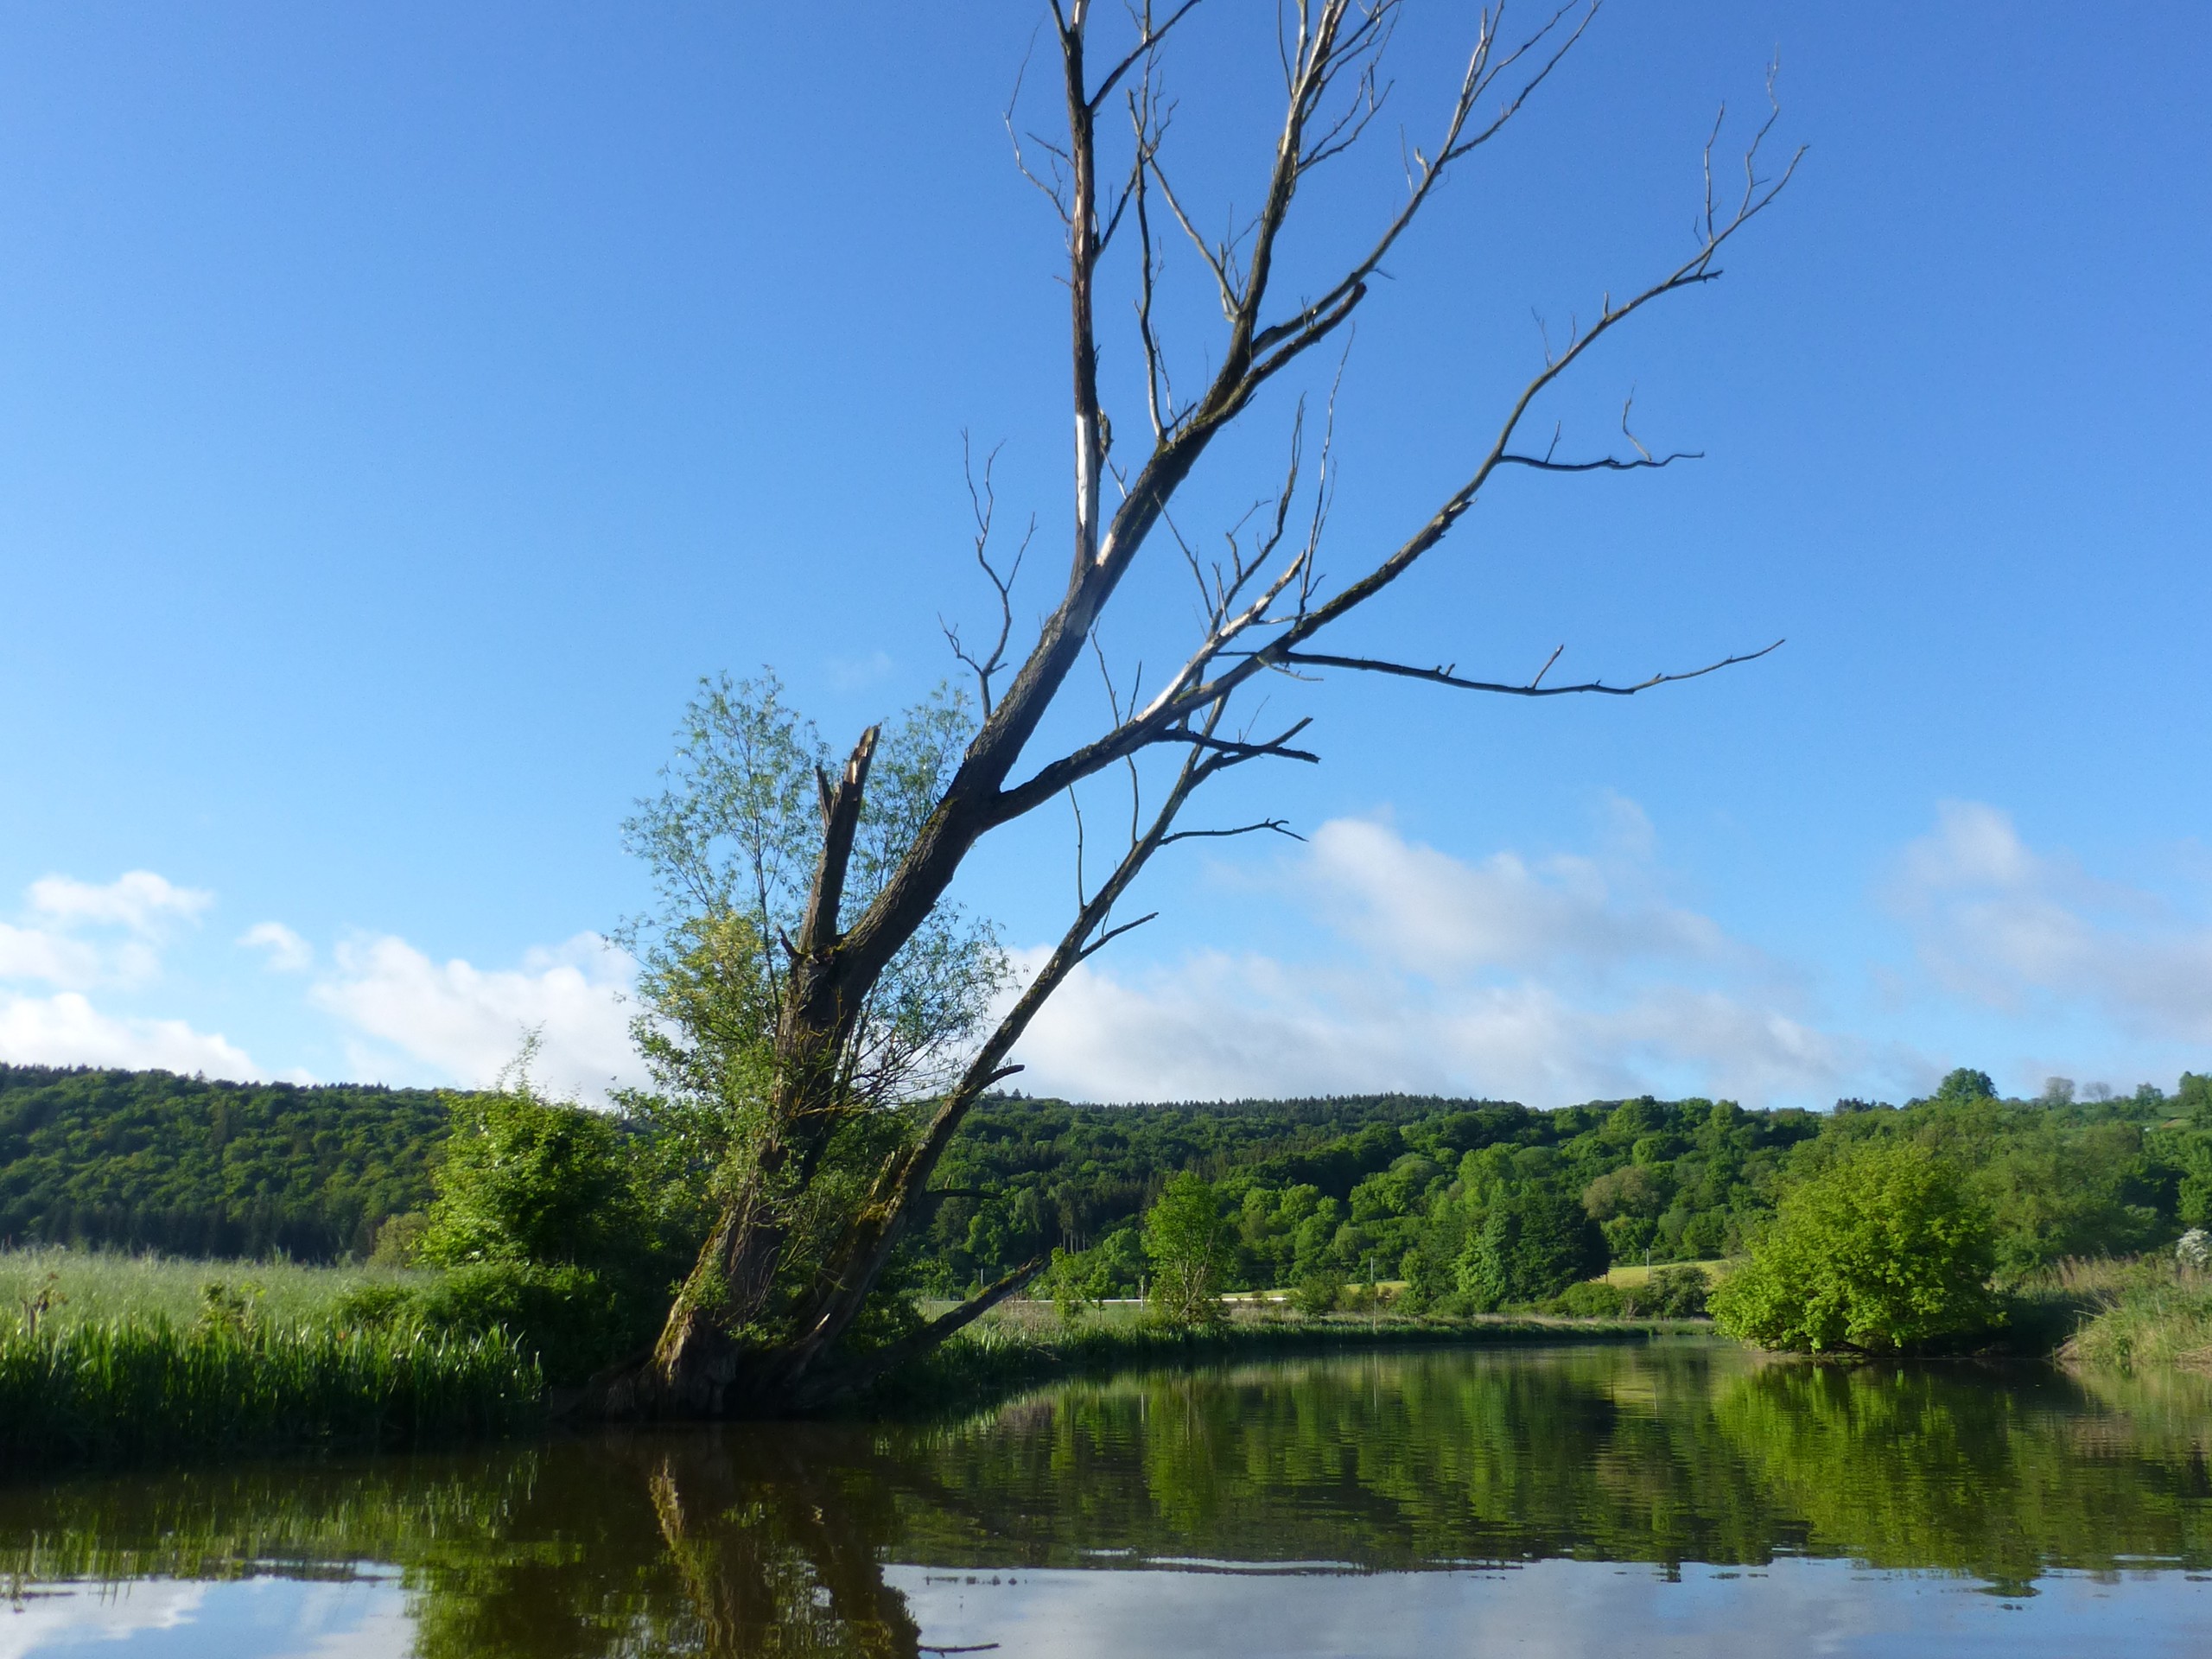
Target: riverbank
{"points": [[1024, 1344], [142, 1386], [111, 1358], [2147, 1315], [108, 1357]]}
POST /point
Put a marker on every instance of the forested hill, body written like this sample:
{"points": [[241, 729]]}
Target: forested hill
{"points": [[1397, 1185], [191, 1167], [188, 1167]]}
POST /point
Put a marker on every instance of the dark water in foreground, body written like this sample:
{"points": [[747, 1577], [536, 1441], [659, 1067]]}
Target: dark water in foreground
{"points": [[1675, 1498]]}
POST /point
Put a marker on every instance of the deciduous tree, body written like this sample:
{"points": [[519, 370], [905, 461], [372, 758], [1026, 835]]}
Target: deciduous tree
{"points": [[835, 1113]]}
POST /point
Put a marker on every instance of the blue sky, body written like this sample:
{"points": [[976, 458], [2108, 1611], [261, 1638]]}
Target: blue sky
{"points": [[402, 406]]}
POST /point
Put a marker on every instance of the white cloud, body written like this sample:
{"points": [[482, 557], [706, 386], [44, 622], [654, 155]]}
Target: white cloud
{"points": [[65, 1029], [2000, 923], [1547, 981], [54, 958], [287, 952], [50, 947], [139, 900], [70, 1614], [468, 1023], [1434, 912]]}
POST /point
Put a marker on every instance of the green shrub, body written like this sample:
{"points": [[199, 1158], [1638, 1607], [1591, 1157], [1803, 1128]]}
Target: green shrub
{"points": [[1319, 1292], [1076, 1282], [553, 1223], [398, 1239], [524, 1179], [1883, 1252], [1678, 1292], [1592, 1299], [567, 1318], [376, 1304]]}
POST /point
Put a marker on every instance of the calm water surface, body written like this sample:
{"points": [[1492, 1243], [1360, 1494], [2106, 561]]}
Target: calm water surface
{"points": [[1677, 1498]]}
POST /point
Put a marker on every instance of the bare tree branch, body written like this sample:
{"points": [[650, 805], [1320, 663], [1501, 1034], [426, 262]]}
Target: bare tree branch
{"points": [[1189, 689], [1277, 826], [1446, 676], [984, 504], [1149, 37]]}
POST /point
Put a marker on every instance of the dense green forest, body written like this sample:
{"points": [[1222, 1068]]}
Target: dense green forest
{"points": [[149, 1160], [1407, 1185], [1394, 1186]]}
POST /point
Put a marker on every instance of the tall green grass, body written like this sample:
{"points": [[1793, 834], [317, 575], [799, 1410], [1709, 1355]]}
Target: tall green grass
{"points": [[107, 1356], [2152, 1316], [85, 1287], [142, 1386]]}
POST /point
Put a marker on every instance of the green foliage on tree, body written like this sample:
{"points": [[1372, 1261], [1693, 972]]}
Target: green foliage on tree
{"points": [[1535, 1240], [1187, 1244], [525, 1178], [1078, 1280], [558, 1224], [1678, 1292], [1885, 1251], [1307, 1187], [1319, 1291], [731, 842]]}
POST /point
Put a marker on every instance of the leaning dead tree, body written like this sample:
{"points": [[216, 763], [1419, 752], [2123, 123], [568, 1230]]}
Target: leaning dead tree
{"points": [[757, 1330]]}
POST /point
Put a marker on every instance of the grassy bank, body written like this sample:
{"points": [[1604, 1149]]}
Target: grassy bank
{"points": [[109, 1357], [125, 1389], [2142, 1315]]}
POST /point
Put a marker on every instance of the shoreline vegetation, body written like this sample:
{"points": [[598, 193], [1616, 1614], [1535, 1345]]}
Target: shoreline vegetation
{"points": [[540, 1241], [107, 1358], [111, 1358]]}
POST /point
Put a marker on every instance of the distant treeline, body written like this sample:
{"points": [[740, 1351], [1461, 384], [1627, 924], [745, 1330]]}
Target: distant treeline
{"points": [[149, 1160], [1398, 1186], [1391, 1184]]}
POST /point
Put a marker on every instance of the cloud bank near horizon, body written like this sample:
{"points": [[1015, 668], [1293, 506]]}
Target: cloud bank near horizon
{"points": [[1569, 977], [1553, 978]]}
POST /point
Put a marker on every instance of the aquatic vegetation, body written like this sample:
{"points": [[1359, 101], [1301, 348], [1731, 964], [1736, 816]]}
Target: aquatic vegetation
{"points": [[131, 1387]]}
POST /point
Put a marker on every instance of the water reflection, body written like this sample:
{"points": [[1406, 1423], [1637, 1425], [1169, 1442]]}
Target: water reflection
{"points": [[1684, 1460]]}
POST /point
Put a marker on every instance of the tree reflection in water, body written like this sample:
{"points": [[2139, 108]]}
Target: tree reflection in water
{"points": [[775, 1538]]}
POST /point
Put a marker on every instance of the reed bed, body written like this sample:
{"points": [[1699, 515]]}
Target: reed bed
{"points": [[125, 1389], [2158, 1315]]}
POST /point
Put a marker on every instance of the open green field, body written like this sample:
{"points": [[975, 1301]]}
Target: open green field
{"points": [[1635, 1276], [78, 1288]]}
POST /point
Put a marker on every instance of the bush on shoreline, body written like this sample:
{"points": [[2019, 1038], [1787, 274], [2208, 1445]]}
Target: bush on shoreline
{"points": [[1883, 1252]]}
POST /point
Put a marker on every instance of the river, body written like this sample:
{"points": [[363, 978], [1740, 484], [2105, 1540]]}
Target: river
{"points": [[1678, 1498]]}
